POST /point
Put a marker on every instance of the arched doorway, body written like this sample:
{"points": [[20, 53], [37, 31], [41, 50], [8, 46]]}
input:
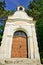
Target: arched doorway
{"points": [[19, 45]]}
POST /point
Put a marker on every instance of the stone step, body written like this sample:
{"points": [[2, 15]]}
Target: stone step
{"points": [[19, 61]]}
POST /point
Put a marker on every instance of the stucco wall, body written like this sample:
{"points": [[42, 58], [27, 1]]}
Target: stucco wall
{"points": [[29, 29]]}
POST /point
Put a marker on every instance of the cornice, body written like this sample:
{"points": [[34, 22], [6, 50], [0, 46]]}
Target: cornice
{"points": [[14, 20]]}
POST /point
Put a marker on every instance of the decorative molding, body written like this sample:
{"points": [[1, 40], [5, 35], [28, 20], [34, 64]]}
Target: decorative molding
{"points": [[10, 20]]}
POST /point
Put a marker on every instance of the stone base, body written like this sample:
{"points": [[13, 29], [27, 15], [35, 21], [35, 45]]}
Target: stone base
{"points": [[19, 61]]}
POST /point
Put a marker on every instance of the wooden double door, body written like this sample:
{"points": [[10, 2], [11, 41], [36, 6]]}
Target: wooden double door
{"points": [[19, 47]]}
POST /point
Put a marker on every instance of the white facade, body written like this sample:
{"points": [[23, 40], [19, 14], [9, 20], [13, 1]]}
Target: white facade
{"points": [[19, 21]]}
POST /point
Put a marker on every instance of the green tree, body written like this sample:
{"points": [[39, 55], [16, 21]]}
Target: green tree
{"points": [[35, 9], [3, 17], [3, 11]]}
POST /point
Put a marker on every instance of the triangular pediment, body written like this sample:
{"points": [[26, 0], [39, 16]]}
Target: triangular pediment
{"points": [[20, 15]]}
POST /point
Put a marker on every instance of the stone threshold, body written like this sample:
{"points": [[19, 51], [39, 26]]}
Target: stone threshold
{"points": [[19, 61]]}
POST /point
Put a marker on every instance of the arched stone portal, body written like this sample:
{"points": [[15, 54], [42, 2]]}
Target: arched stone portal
{"points": [[19, 45]]}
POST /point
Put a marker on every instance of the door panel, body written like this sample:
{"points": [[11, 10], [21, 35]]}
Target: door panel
{"points": [[19, 47]]}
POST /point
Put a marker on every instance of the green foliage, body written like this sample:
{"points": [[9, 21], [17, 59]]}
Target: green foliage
{"points": [[2, 8], [2, 5], [39, 26], [41, 54], [3, 14], [1, 33], [35, 9], [1, 27]]}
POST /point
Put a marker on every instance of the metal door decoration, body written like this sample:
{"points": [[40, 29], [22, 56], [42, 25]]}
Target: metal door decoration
{"points": [[19, 45]]}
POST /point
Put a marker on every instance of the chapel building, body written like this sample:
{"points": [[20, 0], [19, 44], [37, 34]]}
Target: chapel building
{"points": [[19, 37]]}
